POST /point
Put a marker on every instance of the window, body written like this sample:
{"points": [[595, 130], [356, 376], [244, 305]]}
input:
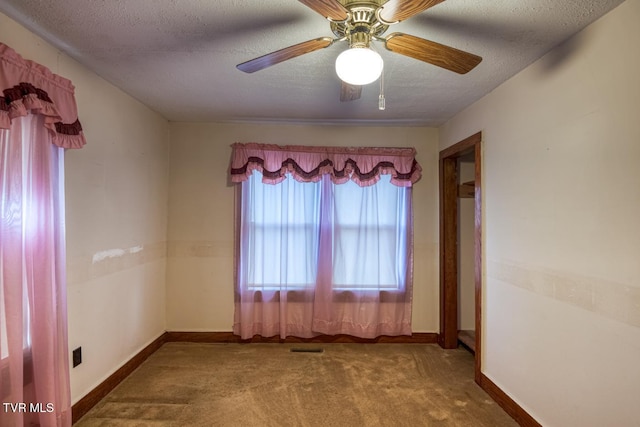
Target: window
{"points": [[324, 240], [370, 235], [282, 225]]}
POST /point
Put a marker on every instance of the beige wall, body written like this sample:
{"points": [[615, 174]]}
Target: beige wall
{"points": [[116, 212], [200, 236], [561, 314]]}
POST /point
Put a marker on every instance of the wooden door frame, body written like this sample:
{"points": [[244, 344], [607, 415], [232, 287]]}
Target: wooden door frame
{"points": [[448, 336]]}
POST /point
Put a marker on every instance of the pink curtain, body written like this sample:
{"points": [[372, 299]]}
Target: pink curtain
{"points": [[363, 165], [38, 119], [28, 87], [328, 252], [35, 367]]}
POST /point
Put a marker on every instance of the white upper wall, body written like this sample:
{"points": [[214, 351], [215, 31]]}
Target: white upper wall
{"points": [[561, 295], [116, 217]]}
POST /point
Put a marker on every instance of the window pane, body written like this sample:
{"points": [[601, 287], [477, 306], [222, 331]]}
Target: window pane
{"points": [[282, 224], [369, 235]]}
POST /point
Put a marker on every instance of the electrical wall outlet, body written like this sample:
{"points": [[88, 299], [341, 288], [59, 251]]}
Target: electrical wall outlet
{"points": [[77, 356]]}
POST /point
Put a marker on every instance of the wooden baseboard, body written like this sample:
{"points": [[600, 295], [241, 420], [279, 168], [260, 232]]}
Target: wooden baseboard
{"points": [[94, 396], [516, 411], [229, 337]]}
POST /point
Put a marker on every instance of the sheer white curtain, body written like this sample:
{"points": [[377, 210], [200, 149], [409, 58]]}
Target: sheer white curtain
{"points": [[34, 367], [370, 235], [323, 258], [280, 230]]}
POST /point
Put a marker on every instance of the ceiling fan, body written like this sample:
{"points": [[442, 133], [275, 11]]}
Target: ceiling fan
{"points": [[359, 22]]}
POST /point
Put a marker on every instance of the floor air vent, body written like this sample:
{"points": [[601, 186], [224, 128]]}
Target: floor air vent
{"points": [[306, 350]]}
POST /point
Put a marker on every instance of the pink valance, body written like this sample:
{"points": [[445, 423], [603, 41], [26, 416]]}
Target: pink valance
{"points": [[363, 165], [27, 87]]}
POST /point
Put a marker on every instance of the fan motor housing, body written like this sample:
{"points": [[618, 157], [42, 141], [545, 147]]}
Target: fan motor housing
{"points": [[362, 19]]}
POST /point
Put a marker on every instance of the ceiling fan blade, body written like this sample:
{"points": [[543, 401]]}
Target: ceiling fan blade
{"points": [[330, 9], [434, 53], [399, 10], [349, 92], [281, 55]]}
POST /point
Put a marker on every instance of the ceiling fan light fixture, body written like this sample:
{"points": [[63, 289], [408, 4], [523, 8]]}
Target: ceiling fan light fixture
{"points": [[359, 66]]}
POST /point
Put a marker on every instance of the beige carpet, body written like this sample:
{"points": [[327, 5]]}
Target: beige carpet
{"points": [[186, 384]]}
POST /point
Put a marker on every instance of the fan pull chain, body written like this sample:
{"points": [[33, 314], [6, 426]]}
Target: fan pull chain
{"points": [[381, 101]]}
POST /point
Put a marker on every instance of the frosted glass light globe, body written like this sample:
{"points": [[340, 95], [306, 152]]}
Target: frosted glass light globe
{"points": [[359, 66]]}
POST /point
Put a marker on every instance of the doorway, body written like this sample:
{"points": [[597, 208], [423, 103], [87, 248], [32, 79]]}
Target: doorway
{"points": [[451, 190]]}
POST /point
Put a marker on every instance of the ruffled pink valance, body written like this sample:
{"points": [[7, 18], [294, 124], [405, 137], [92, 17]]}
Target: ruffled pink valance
{"points": [[28, 87], [308, 163]]}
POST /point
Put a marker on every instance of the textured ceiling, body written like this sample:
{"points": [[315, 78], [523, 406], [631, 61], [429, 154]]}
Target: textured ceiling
{"points": [[179, 56]]}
